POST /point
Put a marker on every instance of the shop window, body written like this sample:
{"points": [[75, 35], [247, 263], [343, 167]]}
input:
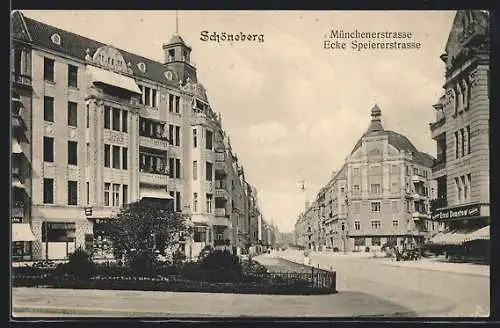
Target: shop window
{"points": [[376, 241], [58, 231]]}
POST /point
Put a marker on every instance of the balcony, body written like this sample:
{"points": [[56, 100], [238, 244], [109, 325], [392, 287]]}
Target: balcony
{"points": [[221, 193], [438, 203], [199, 119], [438, 166], [220, 212], [21, 79], [153, 178], [17, 210], [420, 215], [154, 143], [18, 122], [416, 178]]}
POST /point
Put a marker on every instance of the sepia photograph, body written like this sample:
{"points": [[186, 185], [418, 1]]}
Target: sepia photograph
{"points": [[276, 164]]}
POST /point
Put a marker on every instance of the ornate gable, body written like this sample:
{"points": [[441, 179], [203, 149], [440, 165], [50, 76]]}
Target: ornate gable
{"points": [[468, 33]]}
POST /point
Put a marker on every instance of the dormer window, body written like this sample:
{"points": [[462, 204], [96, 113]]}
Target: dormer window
{"points": [[56, 39], [142, 67], [169, 75]]}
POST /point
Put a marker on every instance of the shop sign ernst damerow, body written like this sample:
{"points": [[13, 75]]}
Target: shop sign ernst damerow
{"points": [[461, 212]]}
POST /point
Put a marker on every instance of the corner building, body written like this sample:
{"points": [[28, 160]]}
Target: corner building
{"points": [[104, 127], [461, 132]]}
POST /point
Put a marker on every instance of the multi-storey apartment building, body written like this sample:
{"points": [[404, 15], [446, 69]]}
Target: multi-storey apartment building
{"points": [[100, 127], [461, 131], [381, 194]]}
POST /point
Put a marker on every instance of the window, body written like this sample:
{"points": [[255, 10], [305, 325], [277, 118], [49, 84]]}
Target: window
{"points": [[107, 187], [170, 134], [394, 187], [466, 191], [177, 104], [459, 190], [195, 138], [48, 149], [356, 189], [171, 165], [171, 103], [72, 193], [48, 191], [124, 194], [462, 133], [208, 173], [153, 98], [395, 206], [146, 95], [177, 135], [125, 121], [355, 172], [177, 168], [124, 158], [107, 117], [116, 157], [48, 109], [375, 188], [72, 114], [375, 206], [72, 153], [356, 207], [87, 190], [195, 202], [116, 194], [468, 182], [209, 136], [195, 170], [178, 206], [376, 241], [72, 76], [88, 116], [209, 203], [468, 139], [116, 119], [48, 69], [456, 144], [107, 155], [142, 94], [357, 225], [376, 224], [395, 223]]}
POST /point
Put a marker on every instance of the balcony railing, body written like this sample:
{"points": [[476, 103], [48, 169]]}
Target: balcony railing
{"points": [[155, 143], [418, 178], [153, 178], [438, 166], [221, 193], [440, 122], [220, 157], [220, 212], [220, 167], [419, 214], [21, 79], [438, 203]]}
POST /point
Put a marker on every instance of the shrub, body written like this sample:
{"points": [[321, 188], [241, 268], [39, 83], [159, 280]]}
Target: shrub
{"points": [[80, 264], [178, 257], [221, 261]]}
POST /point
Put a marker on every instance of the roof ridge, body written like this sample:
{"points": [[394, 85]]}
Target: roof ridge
{"points": [[129, 52]]}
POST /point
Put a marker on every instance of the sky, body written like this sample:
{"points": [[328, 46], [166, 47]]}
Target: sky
{"points": [[292, 109]]}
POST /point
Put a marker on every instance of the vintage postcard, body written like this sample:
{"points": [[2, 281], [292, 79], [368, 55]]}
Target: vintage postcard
{"points": [[250, 163]]}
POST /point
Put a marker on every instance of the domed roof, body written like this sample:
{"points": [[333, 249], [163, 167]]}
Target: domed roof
{"points": [[176, 39], [397, 140]]}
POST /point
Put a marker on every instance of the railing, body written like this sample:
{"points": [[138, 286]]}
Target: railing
{"points": [[438, 203], [220, 212], [22, 79], [220, 157], [155, 143], [221, 193], [154, 178], [440, 122], [438, 166], [220, 166]]}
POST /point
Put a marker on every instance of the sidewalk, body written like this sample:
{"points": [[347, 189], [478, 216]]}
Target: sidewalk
{"points": [[434, 264]]}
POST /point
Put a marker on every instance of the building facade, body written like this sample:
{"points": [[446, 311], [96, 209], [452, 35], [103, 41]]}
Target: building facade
{"points": [[380, 195], [461, 129], [95, 127]]}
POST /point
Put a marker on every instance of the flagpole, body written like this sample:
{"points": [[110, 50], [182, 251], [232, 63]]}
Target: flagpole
{"points": [[176, 22]]}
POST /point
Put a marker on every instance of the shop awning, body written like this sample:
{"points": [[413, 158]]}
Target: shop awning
{"points": [[16, 148], [16, 183], [479, 234], [113, 79], [155, 193], [22, 232], [456, 237]]}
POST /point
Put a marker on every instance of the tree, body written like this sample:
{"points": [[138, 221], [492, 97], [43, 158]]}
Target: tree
{"points": [[143, 227]]}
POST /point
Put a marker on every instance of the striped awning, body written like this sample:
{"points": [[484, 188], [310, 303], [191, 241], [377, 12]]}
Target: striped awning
{"points": [[22, 232], [16, 183], [480, 234], [155, 193]]}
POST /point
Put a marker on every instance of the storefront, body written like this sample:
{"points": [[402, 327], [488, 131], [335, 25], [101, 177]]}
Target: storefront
{"points": [[22, 239], [467, 231], [58, 239]]}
